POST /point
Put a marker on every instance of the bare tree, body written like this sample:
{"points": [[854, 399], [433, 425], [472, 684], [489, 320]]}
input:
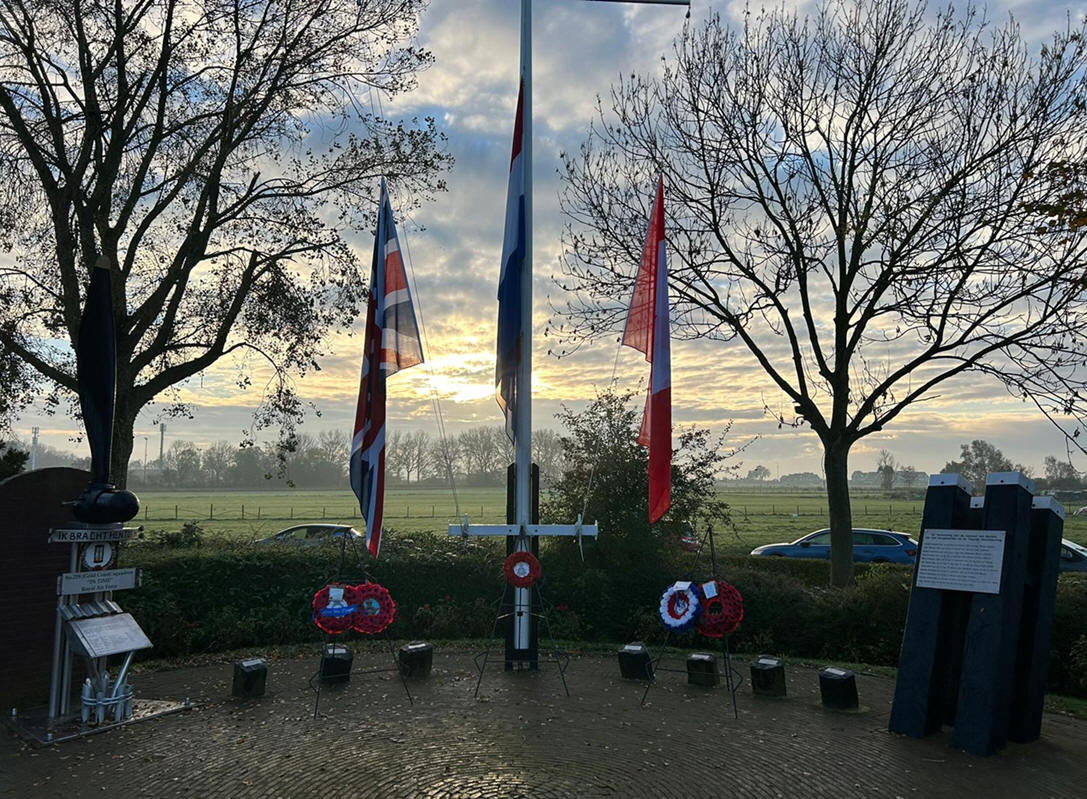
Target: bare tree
{"points": [[214, 153], [548, 454], [853, 204], [886, 466]]}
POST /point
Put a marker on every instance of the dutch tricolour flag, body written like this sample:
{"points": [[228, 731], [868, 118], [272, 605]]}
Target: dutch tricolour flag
{"points": [[509, 282], [647, 330], [391, 343]]}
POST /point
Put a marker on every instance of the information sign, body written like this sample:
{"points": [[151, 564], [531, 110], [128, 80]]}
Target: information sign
{"points": [[107, 635], [95, 581], [961, 560]]}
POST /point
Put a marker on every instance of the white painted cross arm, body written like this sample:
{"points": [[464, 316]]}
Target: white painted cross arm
{"points": [[576, 529]]}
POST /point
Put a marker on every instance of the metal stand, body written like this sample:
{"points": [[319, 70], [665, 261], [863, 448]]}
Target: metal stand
{"points": [[315, 682], [506, 610], [733, 678]]}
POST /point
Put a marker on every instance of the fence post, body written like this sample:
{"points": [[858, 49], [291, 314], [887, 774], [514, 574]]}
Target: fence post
{"points": [[292, 512], [431, 511], [258, 513], [322, 512], [211, 511], [175, 513], [243, 511]]}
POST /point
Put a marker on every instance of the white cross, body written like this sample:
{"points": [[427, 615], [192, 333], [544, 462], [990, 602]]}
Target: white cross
{"points": [[523, 419]]}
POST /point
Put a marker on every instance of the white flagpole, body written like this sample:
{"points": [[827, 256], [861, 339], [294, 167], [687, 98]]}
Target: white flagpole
{"points": [[523, 419]]}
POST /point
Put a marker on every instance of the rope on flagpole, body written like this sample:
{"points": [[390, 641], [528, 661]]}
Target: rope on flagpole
{"points": [[435, 401]]}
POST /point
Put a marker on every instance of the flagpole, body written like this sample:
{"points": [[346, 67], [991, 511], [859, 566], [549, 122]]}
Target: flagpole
{"points": [[523, 420]]}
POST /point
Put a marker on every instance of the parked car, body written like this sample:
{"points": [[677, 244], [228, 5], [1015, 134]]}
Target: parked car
{"points": [[869, 546], [308, 535], [679, 534], [1073, 556]]}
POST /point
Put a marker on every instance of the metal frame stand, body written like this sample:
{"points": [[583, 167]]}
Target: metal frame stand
{"points": [[315, 682], [733, 678], [506, 610]]}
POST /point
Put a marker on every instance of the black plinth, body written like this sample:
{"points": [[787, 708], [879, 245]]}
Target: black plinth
{"points": [[768, 676], [336, 663], [634, 662], [702, 669], [838, 688], [250, 677], [415, 659]]}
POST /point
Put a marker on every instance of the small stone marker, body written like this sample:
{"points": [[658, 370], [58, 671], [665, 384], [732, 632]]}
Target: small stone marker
{"points": [[634, 662], [416, 659], [250, 678], [702, 669], [336, 663], [768, 676], [838, 689]]}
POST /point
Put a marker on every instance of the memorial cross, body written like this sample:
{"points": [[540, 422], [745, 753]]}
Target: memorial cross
{"points": [[520, 533]]}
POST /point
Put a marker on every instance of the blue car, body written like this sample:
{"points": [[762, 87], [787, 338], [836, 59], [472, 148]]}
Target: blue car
{"points": [[869, 546]]}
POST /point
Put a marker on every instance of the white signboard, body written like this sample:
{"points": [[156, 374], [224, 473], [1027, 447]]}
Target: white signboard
{"points": [[961, 560], [81, 535], [92, 582]]}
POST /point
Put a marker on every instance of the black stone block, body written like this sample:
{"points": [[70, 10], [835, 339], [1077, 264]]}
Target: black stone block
{"points": [[336, 663], [250, 677], [634, 662], [415, 659], [702, 669], [838, 688], [768, 676]]}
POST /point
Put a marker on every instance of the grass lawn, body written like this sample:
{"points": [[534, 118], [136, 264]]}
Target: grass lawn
{"points": [[758, 517]]}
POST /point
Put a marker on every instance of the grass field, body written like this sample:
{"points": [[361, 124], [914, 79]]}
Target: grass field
{"points": [[758, 517]]}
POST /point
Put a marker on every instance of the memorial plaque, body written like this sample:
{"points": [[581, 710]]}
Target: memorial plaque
{"points": [[107, 635], [80, 535], [961, 560], [95, 581]]}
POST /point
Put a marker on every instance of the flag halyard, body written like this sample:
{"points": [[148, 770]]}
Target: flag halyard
{"points": [[391, 342], [647, 330]]}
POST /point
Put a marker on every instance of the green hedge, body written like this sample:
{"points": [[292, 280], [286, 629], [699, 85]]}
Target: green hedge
{"points": [[226, 596]]}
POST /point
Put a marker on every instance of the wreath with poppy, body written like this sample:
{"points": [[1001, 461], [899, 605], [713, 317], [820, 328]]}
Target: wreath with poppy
{"points": [[679, 607], [376, 608], [721, 612], [522, 569], [334, 608]]}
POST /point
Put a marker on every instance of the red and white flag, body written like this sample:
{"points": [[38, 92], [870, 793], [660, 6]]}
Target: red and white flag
{"points": [[391, 343], [647, 330]]}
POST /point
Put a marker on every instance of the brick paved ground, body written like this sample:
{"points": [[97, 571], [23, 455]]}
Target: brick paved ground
{"points": [[524, 738]]}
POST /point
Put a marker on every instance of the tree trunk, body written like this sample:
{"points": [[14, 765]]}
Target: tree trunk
{"points": [[124, 420], [835, 465]]}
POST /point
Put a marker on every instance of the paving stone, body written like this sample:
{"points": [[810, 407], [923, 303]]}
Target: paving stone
{"points": [[525, 738]]}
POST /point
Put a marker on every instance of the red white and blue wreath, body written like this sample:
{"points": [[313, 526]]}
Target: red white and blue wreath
{"points": [[722, 609], [334, 608], [522, 569], [376, 608], [679, 607]]}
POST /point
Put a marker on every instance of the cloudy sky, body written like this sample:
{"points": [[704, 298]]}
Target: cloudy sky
{"points": [[454, 243]]}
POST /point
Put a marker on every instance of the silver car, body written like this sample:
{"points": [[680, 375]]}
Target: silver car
{"points": [[309, 535]]}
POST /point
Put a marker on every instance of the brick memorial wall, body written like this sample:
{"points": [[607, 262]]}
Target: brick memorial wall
{"points": [[30, 504]]}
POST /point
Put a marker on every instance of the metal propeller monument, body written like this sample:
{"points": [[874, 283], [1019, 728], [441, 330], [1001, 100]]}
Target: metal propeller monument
{"points": [[514, 372]]}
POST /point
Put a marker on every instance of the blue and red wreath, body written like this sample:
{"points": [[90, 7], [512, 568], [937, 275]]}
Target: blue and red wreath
{"points": [[334, 608], [722, 612], [679, 607], [522, 569], [376, 608]]}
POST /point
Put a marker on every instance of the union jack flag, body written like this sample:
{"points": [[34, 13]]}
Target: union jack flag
{"points": [[391, 343]]}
